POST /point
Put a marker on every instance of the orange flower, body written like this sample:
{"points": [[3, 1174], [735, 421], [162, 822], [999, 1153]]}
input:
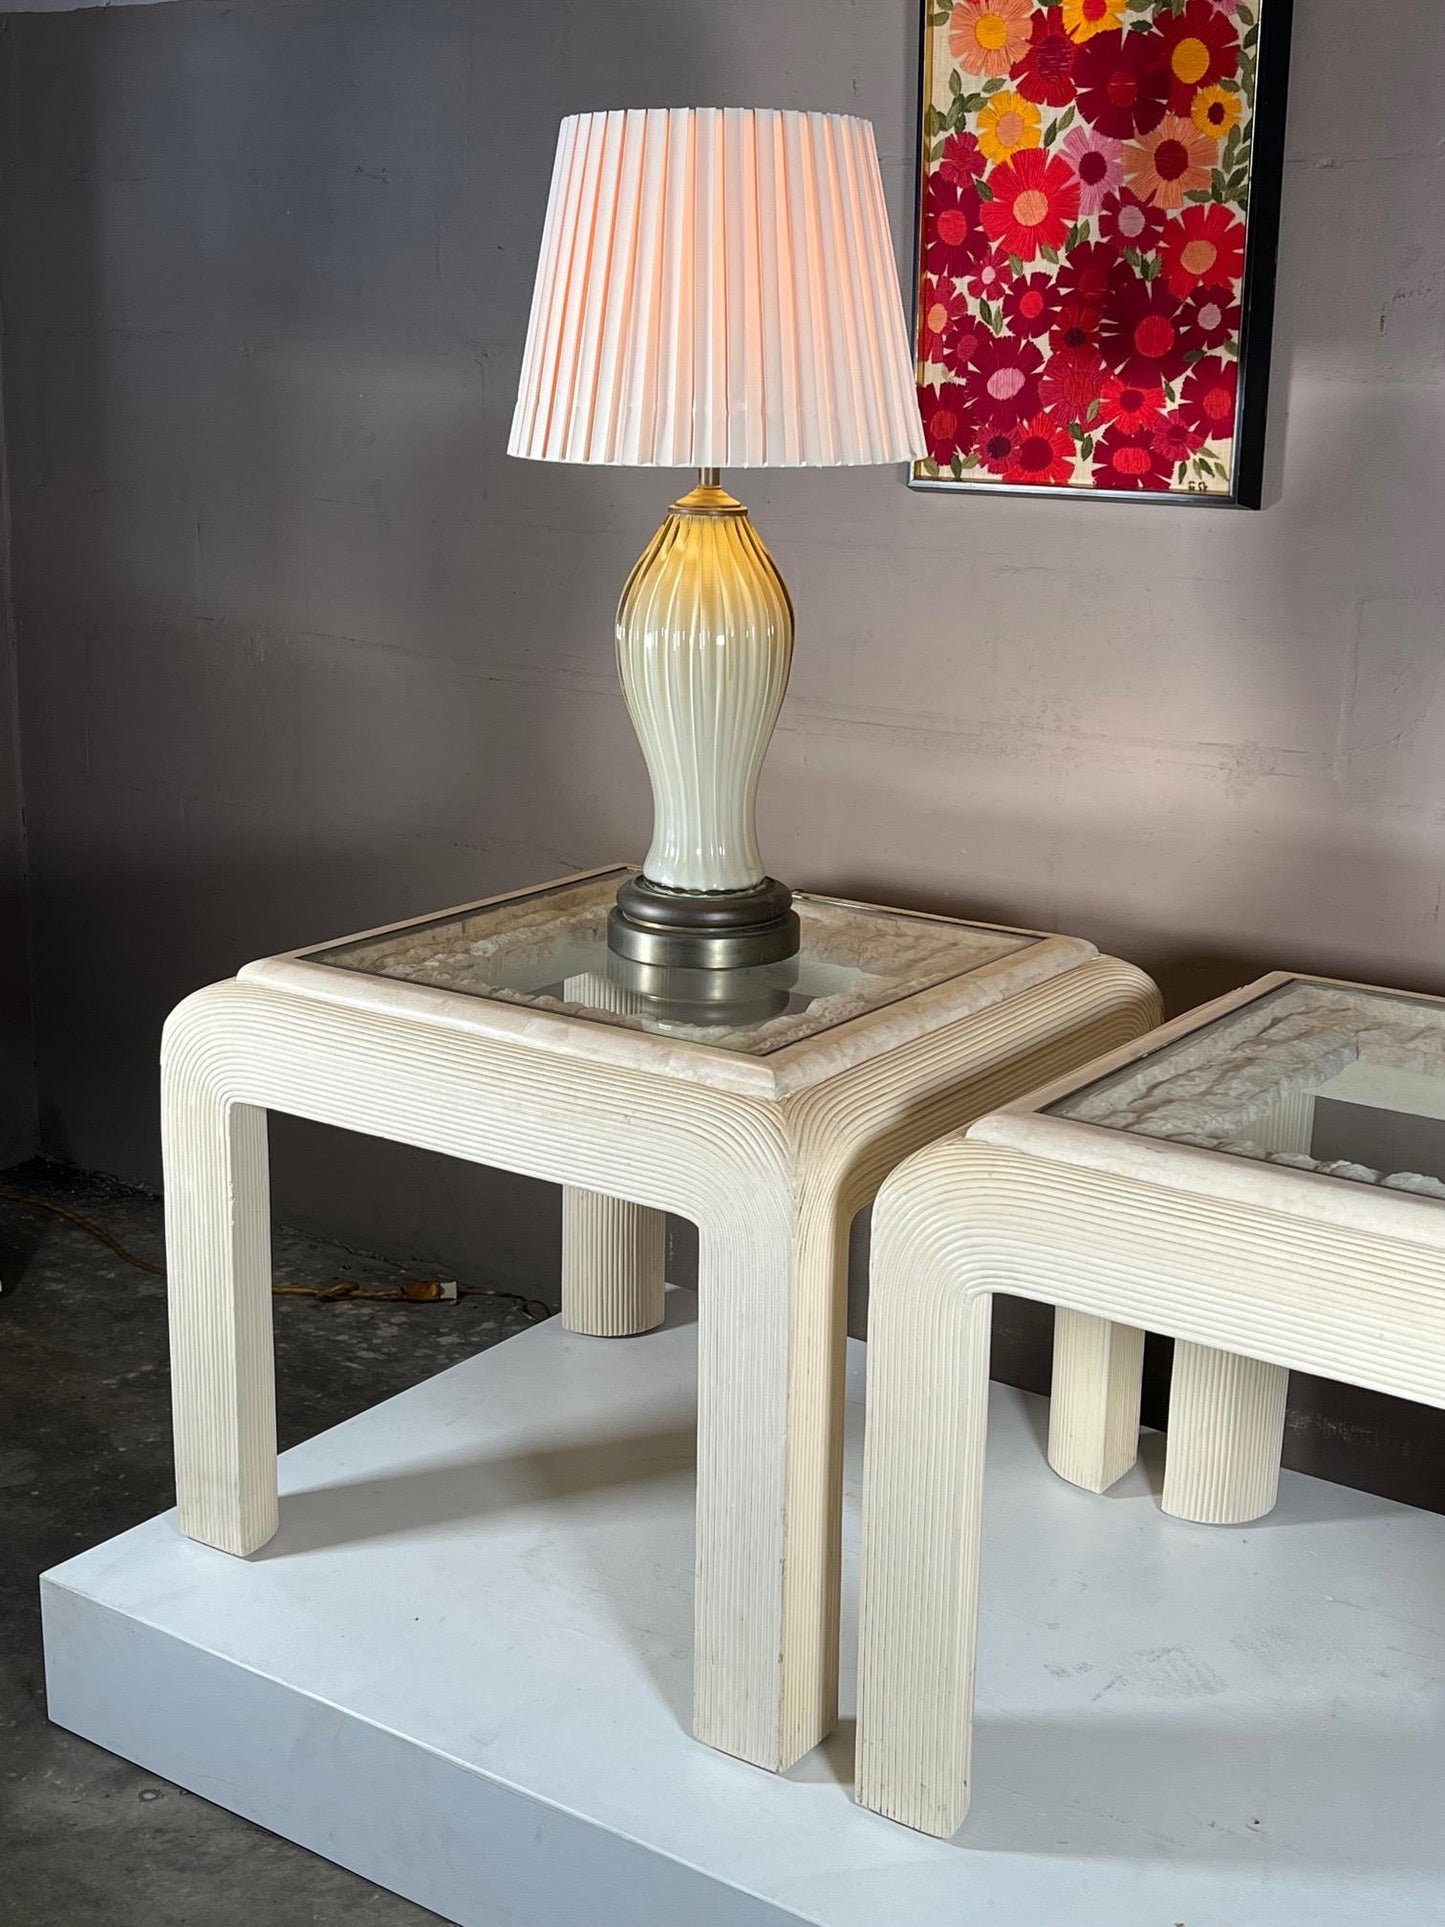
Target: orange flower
{"points": [[986, 37], [1173, 161], [1084, 18]]}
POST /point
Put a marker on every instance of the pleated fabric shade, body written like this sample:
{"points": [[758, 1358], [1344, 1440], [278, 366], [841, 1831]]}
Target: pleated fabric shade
{"points": [[717, 289]]}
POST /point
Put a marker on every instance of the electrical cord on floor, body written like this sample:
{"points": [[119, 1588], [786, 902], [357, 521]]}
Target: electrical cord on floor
{"points": [[415, 1291]]}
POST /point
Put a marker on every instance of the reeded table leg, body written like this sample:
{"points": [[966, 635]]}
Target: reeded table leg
{"points": [[928, 1351], [1226, 1430], [218, 1260], [613, 1263], [1094, 1409], [772, 1308]]}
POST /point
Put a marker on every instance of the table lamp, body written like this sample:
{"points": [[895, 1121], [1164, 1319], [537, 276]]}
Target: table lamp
{"points": [[716, 289]]}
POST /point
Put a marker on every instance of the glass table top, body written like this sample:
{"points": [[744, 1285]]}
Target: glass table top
{"points": [[548, 949], [1320, 1076]]}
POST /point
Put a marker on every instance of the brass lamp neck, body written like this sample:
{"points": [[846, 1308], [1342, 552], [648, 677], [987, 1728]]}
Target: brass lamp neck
{"points": [[709, 497]]}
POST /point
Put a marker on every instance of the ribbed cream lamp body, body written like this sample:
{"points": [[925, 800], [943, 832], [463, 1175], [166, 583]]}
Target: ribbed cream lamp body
{"points": [[716, 289], [704, 645]]}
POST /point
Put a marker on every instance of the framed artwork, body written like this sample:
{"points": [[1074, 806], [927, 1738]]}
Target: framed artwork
{"points": [[1098, 211]]}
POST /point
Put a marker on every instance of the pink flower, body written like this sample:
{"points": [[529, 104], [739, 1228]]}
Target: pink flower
{"points": [[1099, 164]]}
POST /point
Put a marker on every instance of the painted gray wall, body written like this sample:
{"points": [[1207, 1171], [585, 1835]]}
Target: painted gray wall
{"points": [[18, 1122], [303, 651]]}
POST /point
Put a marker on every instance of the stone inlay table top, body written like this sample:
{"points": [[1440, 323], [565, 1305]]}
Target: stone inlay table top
{"points": [[504, 1033], [548, 950], [1221, 1086]]}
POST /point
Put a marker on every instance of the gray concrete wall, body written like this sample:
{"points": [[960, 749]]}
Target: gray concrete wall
{"points": [[303, 651]]}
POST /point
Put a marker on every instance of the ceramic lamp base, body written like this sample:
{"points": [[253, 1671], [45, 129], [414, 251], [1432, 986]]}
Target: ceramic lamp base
{"points": [[704, 644]]}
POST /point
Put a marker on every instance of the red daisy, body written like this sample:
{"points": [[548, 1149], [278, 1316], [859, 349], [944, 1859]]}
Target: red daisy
{"points": [[948, 421], [1209, 398], [942, 314], [1004, 381], [1070, 387], [1044, 455], [990, 277], [1090, 275], [1205, 245], [1122, 81], [954, 238], [1031, 305], [1208, 319], [1201, 48], [1140, 334], [1130, 461], [998, 446], [1074, 336], [1128, 222], [1175, 439], [1046, 72], [1035, 202], [1132, 406], [962, 160]]}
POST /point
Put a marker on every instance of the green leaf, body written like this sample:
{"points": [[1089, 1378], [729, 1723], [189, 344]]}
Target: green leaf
{"points": [[956, 469], [1094, 407], [1050, 254], [992, 86], [1066, 119], [934, 121], [1086, 447], [1051, 133], [1200, 194], [983, 190], [955, 82], [1076, 431], [1016, 264], [1194, 354]]}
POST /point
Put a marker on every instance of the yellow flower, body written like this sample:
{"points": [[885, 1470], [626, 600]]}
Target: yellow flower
{"points": [[1216, 111], [1084, 18], [1006, 124]]}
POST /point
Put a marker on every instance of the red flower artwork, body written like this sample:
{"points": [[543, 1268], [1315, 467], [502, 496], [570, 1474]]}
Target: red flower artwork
{"points": [[990, 276], [1201, 48], [1122, 460], [1046, 72], [1140, 334], [1043, 454], [953, 230], [1208, 319], [1128, 222], [1205, 245], [1211, 392], [947, 421], [1031, 305], [1133, 406], [1003, 383], [1177, 440], [1035, 202], [1090, 273], [945, 321], [1068, 389], [1089, 186], [1123, 83]]}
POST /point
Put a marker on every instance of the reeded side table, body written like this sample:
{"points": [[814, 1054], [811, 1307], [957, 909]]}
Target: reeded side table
{"points": [[767, 1107], [1263, 1180]]}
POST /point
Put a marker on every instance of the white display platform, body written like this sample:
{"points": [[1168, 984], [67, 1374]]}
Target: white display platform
{"points": [[462, 1668]]}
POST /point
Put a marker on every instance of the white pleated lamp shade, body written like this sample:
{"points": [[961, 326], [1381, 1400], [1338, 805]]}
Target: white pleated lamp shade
{"points": [[717, 289]]}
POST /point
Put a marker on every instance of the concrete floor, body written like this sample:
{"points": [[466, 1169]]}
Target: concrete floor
{"points": [[85, 1452]]}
